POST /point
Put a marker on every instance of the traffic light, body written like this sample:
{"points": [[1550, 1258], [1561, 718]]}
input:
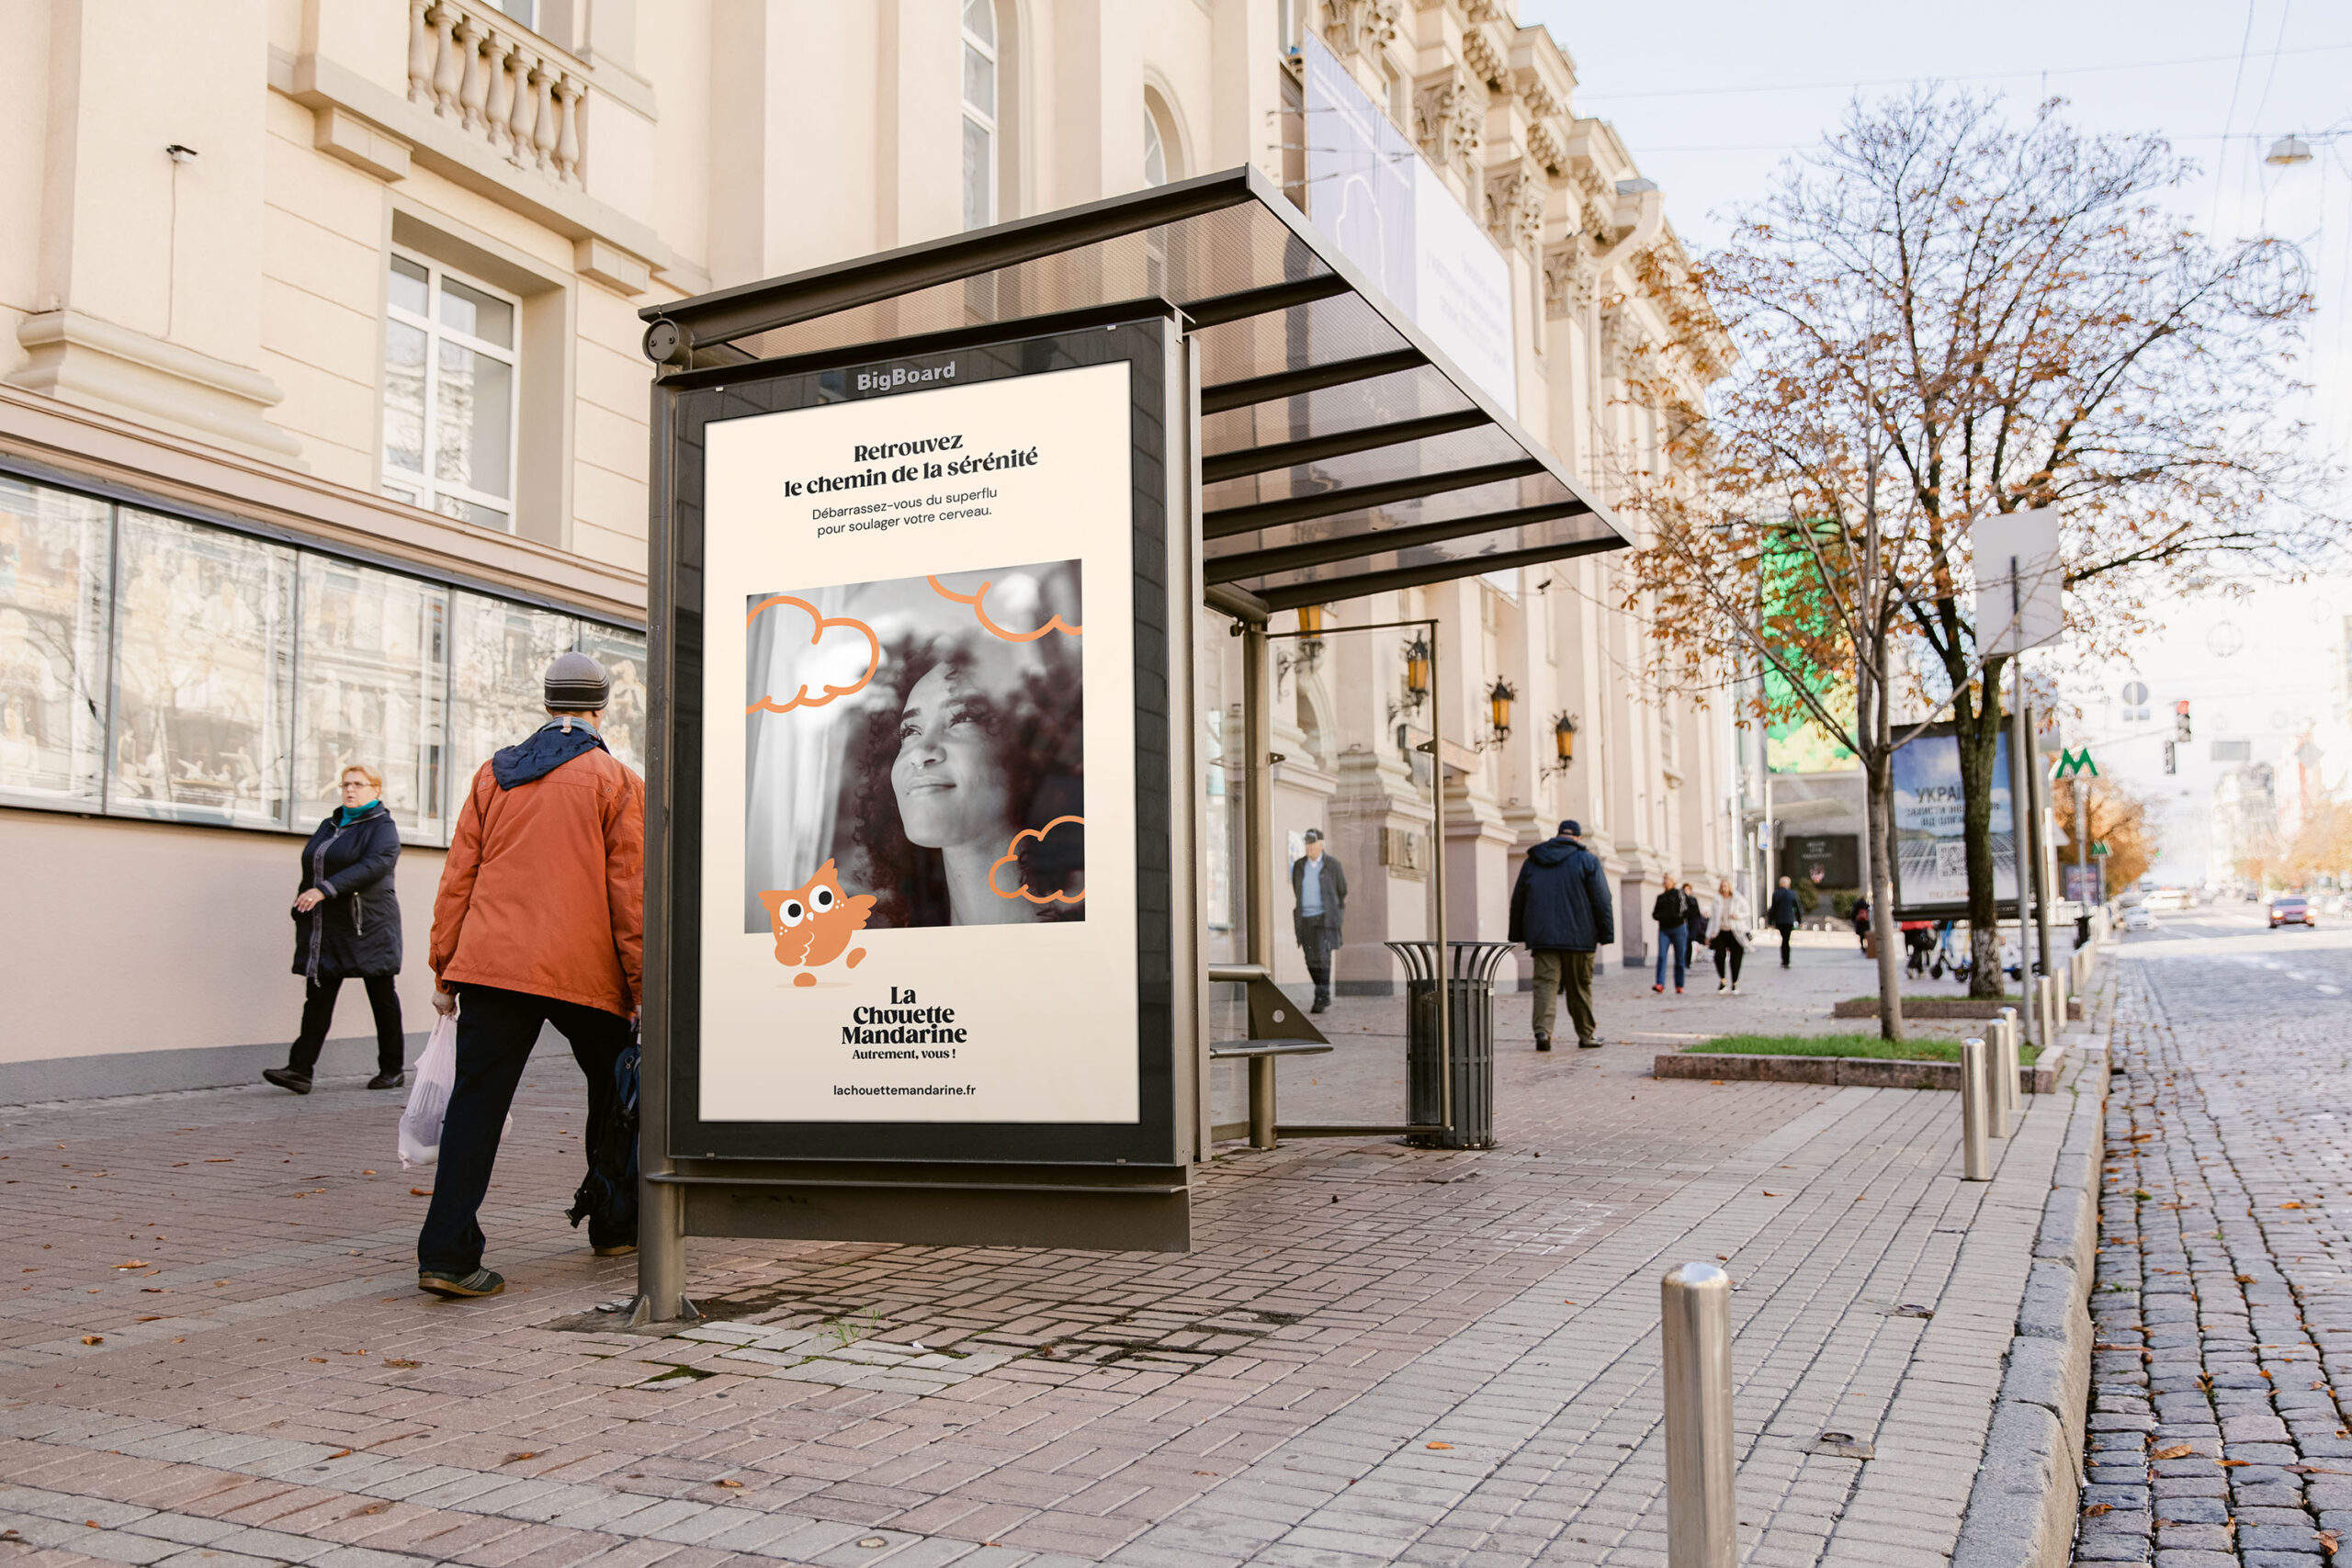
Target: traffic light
{"points": [[2180, 721], [2172, 764]]}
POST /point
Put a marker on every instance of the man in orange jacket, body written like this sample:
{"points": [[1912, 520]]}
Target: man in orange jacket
{"points": [[540, 920]]}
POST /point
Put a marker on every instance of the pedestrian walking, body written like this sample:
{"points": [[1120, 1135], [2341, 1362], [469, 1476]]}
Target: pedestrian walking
{"points": [[1672, 910], [1862, 923], [1319, 890], [1781, 916], [348, 925], [540, 920], [1560, 908], [1730, 942]]}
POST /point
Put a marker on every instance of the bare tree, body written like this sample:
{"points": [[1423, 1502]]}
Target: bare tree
{"points": [[2011, 319]]}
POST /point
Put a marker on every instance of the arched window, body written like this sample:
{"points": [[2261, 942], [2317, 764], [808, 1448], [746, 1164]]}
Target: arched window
{"points": [[1163, 148], [1154, 151], [980, 138]]}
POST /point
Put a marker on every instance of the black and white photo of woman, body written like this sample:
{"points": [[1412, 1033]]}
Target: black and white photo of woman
{"points": [[927, 735]]}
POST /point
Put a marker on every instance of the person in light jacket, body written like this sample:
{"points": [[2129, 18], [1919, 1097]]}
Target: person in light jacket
{"points": [[348, 925], [1730, 940]]}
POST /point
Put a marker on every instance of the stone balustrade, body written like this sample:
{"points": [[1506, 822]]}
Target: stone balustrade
{"points": [[469, 64]]}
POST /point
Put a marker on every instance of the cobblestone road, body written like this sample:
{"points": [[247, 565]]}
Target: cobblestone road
{"points": [[2223, 1308]]}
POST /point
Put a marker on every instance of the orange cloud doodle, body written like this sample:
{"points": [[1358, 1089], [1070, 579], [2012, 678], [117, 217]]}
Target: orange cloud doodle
{"points": [[843, 657], [1011, 858], [977, 598]]}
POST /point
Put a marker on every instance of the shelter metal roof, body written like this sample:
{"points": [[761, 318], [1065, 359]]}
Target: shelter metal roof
{"points": [[1342, 453]]}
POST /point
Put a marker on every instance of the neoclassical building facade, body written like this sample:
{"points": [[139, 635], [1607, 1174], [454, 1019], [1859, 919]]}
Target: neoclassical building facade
{"points": [[324, 424]]}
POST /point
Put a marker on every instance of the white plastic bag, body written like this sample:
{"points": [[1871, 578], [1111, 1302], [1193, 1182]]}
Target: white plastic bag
{"points": [[428, 1098]]}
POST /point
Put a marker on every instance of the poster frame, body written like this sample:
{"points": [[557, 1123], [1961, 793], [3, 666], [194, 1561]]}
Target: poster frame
{"points": [[2003, 909], [1142, 334]]}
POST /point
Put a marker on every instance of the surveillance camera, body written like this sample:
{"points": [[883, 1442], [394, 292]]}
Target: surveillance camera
{"points": [[179, 154]]}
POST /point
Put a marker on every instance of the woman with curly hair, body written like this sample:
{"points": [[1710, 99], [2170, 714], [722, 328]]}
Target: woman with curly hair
{"points": [[972, 751]]}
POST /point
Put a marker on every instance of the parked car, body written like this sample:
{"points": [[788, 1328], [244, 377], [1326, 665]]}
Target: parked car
{"points": [[2291, 909], [2139, 918]]}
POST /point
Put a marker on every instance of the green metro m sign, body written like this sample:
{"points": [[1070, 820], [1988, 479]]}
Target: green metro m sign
{"points": [[2073, 762]]}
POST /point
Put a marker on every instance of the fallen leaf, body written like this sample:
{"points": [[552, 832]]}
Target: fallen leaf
{"points": [[150, 1317], [1440, 1445], [1204, 1472], [2290, 1205], [370, 1509], [2233, 1463], [2098, 1508], [734, 1485], [94, 1340], [2178, 1451], [320, 1359], [340, 1453], [396, 1361], [420, 1192], [1772, 1194], [517, 1458], [135, 1263], [2327, 1541], [366, 1173]]}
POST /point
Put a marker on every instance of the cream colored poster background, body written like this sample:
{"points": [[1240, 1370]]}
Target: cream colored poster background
{"points": [[1050, 1010]]}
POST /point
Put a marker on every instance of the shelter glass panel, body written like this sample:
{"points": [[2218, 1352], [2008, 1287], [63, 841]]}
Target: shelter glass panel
{"points": [[204, 675], [54, 550], [622, 653]]}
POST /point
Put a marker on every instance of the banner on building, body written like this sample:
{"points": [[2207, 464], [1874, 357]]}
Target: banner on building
{"points": [[1824, 860], [1930, 843], [1370, 189], [1804, 631], [918, 800]]}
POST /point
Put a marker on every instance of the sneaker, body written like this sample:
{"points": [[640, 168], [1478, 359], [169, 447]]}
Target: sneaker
{"points": [[1677, 990], [393, 1079], [287, 1078], [1319, 1005], [1735, 987], [480, 1283], [1593, 1045], [1542, 1041], [1660, 989], [1722, 985]]}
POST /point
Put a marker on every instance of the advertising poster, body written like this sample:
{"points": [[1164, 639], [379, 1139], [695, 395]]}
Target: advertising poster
{"points": [[1930, 853], [917, 692]]}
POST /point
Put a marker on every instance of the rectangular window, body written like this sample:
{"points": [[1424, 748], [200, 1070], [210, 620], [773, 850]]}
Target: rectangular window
{"points": [[203, 675], [622, 653], [980, 113], [2233, 751], [498, 654], [174, 671], [374, 680], [54, 557], [450, 394]]}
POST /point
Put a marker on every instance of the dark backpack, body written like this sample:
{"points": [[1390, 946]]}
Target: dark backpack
{"points": [[609, 1194]]}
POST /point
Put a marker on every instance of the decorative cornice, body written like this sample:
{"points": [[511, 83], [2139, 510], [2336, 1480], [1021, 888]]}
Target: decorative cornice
{"points": [[1515, 205], [1361, 26], [1569, 276]]}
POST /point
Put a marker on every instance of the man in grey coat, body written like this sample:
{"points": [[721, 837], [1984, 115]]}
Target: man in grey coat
{"points": [[1319, 890]]}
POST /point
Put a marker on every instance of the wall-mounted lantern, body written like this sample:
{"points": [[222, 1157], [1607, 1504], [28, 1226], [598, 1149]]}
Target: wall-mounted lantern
{"points": [[1563, 745]]}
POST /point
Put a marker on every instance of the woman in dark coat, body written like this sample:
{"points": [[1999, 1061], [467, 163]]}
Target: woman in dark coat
{"points": [[347, 922]]}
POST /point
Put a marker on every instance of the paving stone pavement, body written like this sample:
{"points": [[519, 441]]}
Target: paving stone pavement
{"points": [[215, 1354], [2223, 1308]]}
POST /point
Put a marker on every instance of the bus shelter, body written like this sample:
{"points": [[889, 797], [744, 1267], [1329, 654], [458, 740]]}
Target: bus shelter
{"points": [[933, 534]]}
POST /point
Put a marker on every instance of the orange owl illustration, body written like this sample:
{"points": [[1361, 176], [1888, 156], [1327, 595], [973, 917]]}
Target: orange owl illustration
{"points": [[814, 922]]}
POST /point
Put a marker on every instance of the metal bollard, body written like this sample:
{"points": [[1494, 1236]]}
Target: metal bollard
{"points": [[1976, 1158], [2007, 1055], [1694, 1320]]}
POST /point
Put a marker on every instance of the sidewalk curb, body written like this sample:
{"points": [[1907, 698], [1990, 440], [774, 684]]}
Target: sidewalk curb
{"points": [[2029, 1485]]}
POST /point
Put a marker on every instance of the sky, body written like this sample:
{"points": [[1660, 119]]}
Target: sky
{"points": [[1713, 99]]}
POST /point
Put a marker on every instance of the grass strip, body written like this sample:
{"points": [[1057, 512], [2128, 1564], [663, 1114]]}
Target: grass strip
{"points": [[1869, 1045]]}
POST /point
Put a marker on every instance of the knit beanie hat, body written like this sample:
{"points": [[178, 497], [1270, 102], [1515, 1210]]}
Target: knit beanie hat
{"points": [[576, 683]]}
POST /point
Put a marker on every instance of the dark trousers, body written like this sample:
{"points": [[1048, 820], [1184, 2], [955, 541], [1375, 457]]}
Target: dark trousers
{"points": [[495, 1032], [1732, 953], [1318, 935], [1560, 973], [1784, 944], [318, 1013]]}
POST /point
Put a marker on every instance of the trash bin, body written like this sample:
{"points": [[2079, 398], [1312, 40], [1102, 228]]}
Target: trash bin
{"points": [[1470, 993]]}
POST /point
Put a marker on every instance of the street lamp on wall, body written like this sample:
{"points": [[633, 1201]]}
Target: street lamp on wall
{"points": [[1309, 642], [1416, 690], [1563, 745], [1499, 699]]}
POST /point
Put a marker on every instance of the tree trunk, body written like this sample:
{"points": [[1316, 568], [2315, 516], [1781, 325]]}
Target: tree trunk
{"points": [[1878, 787], [1978, 731]]}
